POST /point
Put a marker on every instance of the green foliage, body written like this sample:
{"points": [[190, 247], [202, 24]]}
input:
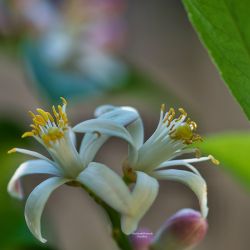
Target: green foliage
{"points": [[14, 234], [233, 151], [224, 28]]}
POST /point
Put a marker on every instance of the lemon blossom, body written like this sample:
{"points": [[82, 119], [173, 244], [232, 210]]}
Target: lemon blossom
{"points": [[66, 164], [150, 161]]}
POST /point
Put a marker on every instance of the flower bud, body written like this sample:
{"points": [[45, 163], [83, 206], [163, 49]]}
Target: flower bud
{"points": [[184, 230], [141, 239]]}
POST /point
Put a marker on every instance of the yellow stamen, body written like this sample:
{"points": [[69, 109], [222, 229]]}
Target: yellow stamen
{"points": [[163, 107], [64, 100], [50, 117], [28, 134], [214, 160], [43, 114], [46, 140], [48, 127], [39, 120], [61, 124], [60, 110], [55, 113], [32, 114], [182, 111], [169, 117], [13, 150]]}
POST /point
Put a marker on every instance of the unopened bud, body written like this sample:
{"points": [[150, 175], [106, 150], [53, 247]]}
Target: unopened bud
{"points": [[141, 239], [184, 230]]}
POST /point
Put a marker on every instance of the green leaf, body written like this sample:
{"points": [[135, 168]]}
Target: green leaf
{"points": [[233, 152], [224, 28], [14, 234]]}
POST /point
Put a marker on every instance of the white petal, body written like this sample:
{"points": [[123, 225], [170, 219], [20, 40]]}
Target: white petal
{"points": [[195, 182], [27, 168], [36, 202], [90, 145], [137, 132], [143, 195], [107, 185], [106, 127], [72, 136], [121, 115], [124, 116], [103, 109]]}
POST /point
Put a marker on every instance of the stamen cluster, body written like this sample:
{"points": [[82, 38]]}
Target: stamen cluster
{"points": [[49, 128], [180, 128]]}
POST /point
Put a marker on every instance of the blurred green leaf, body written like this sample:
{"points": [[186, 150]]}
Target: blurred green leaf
{"points": [[233, 152], [14, 234], [224, 28]]}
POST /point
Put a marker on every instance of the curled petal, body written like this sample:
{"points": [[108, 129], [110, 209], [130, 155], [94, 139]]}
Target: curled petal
{"points": [[36, 202], [103, 109], [121, 115], [107, 185], [137, 132], [142, 197], [108, 128], [90, 145], [126, 116], [27, 168], [195, 182]]}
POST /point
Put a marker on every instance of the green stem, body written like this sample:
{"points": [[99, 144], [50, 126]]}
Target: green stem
{"points": [[119, 237]]}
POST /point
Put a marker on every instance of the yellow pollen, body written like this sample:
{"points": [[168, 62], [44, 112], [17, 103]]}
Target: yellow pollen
{"points": [[32, 114], [163, 107], [64, 100], [55, 112], [13, 150], [39, 120], [214, 160], [60, 110], [48, 127], [28, 134], [43, 114], [182, 111], [169, 117], [50, 117]]}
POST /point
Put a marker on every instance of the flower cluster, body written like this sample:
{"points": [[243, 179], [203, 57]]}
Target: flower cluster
{"points": [[146, 162]]}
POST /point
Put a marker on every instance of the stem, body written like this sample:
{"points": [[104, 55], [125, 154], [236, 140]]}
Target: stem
{"points": [[119, 237]]}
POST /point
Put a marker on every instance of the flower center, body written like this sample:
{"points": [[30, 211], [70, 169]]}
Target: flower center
{"points": [[50, 128], [180, 128]]}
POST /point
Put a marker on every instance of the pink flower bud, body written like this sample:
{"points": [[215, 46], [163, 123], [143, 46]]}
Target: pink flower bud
{"points": [[184, 230], [141, 239]]}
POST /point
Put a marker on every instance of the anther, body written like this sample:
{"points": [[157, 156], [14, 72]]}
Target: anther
{"points": [[214, 160], [13, 150]]}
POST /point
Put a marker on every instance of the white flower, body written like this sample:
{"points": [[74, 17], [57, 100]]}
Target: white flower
{"points": [[148, 162], [67, 164]]}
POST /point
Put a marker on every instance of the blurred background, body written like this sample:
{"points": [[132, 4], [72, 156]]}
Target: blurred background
{"points": [[137, 53]]}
